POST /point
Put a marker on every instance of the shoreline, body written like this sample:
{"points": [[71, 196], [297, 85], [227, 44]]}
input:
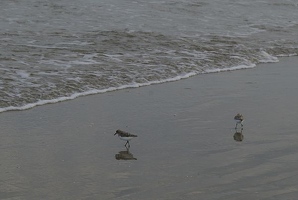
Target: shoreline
{"points": [[123, 87], [184, 149]]}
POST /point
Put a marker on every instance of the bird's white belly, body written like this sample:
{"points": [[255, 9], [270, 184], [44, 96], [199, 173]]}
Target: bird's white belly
{"points": [[125, 138]]}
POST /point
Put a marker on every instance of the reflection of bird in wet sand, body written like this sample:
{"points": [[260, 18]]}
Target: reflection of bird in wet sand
{"points": [[124, 155], [238, 136], [125, 136], [239, 119]]}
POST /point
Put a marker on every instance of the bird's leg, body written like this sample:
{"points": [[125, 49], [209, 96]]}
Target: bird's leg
{"points": [[126, 144], [236, 126]]}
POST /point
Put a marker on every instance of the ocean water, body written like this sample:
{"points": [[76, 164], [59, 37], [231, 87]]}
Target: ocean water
{"points": [[55, 50]]}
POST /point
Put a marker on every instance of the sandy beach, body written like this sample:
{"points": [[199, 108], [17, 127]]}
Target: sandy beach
{"points": [[184, 149]]}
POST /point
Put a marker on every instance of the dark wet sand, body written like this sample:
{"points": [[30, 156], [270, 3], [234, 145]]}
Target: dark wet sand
{"points": [[184, 149]]}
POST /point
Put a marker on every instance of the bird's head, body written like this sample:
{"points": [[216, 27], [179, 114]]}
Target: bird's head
{"points": [[117, 132]]}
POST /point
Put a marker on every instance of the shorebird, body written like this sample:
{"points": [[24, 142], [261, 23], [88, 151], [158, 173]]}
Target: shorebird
{"points": [[125, 136], [239, 119]]}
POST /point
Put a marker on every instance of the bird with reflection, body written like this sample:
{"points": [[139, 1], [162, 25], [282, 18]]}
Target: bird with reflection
{"points": [[239, 120], [125, 136]]}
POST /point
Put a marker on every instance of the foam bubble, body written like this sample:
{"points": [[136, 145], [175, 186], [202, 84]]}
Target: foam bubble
{"points": [[23, 74], [267, 58]]}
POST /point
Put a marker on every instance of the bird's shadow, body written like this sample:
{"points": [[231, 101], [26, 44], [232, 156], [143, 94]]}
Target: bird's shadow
{"points": [[125, 155]]}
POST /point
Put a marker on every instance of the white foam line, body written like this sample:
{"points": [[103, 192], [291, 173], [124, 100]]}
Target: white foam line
{"points": [[133, 85], [90, 92], [216, 70], [287, 55], [41, 46]]}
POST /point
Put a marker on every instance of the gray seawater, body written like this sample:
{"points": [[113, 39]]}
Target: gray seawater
{"points": [[54, 50]]}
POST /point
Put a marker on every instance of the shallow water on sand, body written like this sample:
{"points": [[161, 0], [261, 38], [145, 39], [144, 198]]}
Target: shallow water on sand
{"points": [[184, 149]]}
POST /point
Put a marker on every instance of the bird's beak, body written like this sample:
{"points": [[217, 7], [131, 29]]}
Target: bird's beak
{"points": [[115, 133]]}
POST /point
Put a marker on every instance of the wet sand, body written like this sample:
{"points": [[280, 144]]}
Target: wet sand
{"points": [[184, 149]]}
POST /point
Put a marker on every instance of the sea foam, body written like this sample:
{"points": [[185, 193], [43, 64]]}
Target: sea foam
{"points": [[132, 85]]}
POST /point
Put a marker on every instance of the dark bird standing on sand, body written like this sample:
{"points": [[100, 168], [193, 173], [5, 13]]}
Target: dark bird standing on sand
{"points": [[239, 119], [125, 136]]}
